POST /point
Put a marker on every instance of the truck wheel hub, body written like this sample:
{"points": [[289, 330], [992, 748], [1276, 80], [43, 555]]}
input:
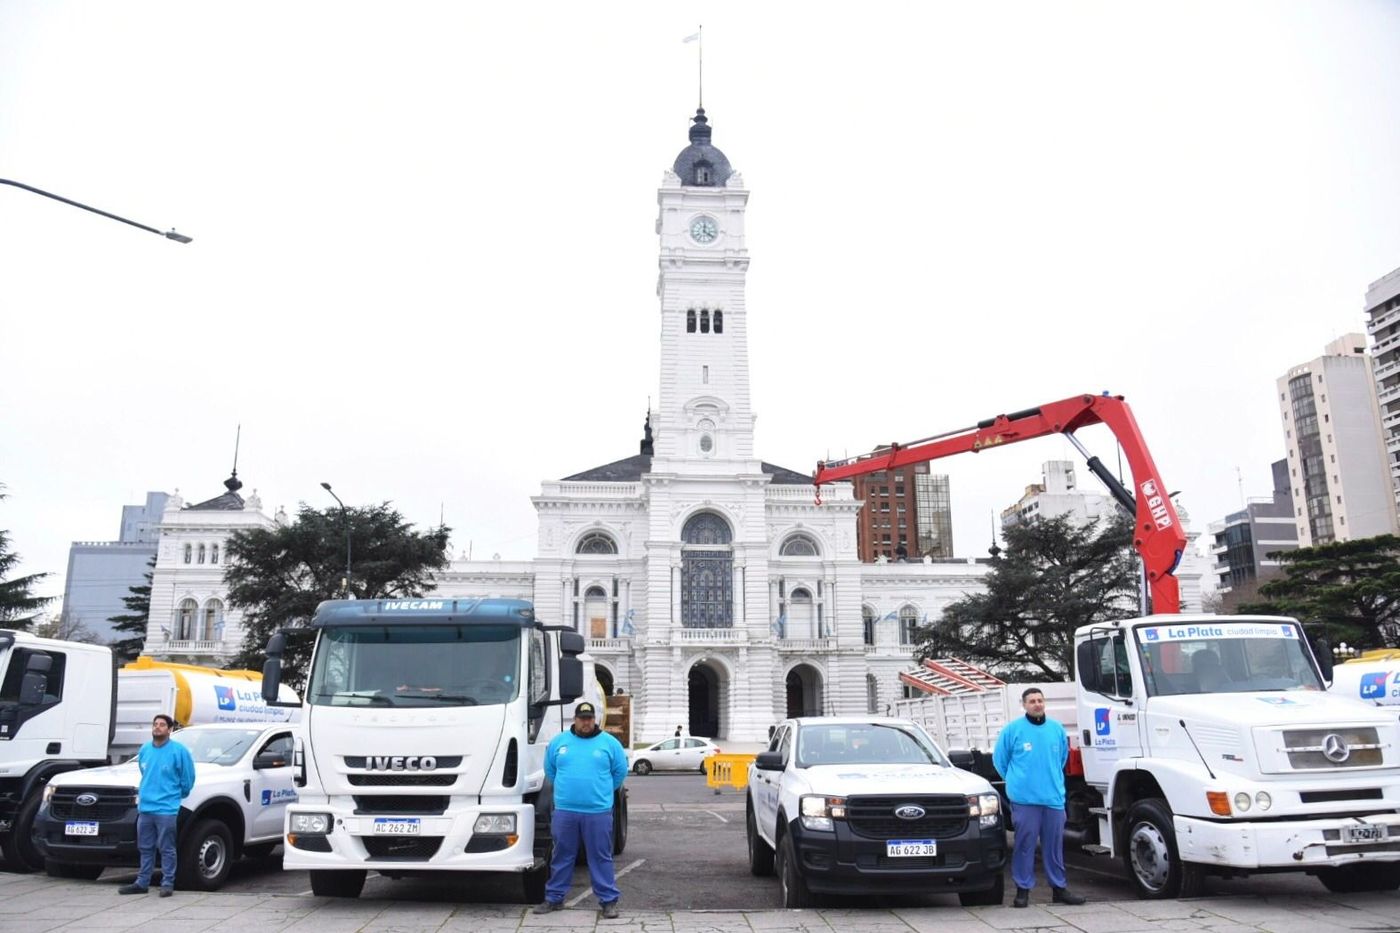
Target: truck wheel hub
{"points": [[1148, 851]]}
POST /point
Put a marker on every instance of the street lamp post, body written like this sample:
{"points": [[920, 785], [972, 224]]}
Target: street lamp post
{"points": [[168, 234], [345, 517]]}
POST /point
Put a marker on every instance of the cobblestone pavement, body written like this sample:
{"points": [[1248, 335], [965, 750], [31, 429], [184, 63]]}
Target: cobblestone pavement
{"points": [[37, 903]]}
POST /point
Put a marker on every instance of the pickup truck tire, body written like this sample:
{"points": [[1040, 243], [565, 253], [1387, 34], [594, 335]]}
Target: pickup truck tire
{"points": [[1149, 852], [338, 882], [642, 767], [205, 856], [760, 852], [1367, 876], [21, 856], [69, 870], [790, 882], [992, 897]]}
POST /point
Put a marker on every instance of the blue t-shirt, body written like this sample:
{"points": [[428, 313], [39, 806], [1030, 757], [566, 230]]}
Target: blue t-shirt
{"points": [[585, 771], [1032, 759], [167, 776]]}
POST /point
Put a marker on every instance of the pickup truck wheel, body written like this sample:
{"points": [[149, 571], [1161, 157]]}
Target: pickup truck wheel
{"points": [[760, 852], [992, 897], [642, 767], [21, 856], [69, 870], [790, 883], [206, 855], [1149, 851], [1367, 876], [337, 883]]}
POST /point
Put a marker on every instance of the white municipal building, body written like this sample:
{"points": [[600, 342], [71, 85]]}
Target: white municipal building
{"points": [[710, 586]]}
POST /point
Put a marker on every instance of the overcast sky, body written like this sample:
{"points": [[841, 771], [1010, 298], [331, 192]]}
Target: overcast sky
{"points": [[424, 262]]}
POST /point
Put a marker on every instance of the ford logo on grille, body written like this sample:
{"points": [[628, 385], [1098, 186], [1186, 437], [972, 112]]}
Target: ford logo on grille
{"points": [[86, 800], [909, 812], [1335, 748]]}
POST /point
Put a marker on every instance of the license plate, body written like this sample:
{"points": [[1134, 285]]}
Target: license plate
{"points": [[1377, 832], [80, 829], [384, 827], [905, 848]]}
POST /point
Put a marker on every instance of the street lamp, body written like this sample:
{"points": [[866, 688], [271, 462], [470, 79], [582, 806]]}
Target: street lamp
{"points": [[345, 516], [169, 234]]}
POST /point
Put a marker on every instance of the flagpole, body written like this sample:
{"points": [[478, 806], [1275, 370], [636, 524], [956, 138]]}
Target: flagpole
{"points": [[701, 41]]}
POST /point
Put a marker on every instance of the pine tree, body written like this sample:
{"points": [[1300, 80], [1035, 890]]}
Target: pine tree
{"points": [[133, 622], [19, 607]]}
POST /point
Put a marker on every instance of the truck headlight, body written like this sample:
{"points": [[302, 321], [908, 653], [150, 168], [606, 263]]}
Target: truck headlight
{"points": [[1263, 801], [309, 824], [986, 807], [818, 813], [1243, 802], [495, 824]]}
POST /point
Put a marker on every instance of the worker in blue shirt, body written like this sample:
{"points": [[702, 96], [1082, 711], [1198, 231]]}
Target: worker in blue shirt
{"points": [[167, 777], [586, 766], [1030, 754]]}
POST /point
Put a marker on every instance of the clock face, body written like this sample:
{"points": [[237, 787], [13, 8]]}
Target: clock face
{"points": [[703, 230]]}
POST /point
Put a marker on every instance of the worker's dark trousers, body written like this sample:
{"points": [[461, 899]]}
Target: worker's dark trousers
{"points": [[594, 832], [1046, 824]]}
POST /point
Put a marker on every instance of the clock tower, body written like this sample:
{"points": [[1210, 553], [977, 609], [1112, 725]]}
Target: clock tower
{"points": [[704, 422]]}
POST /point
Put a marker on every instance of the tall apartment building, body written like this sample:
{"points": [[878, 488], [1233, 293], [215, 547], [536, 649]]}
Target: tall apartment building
{"points": [[1057, 494], [907, 515], [101, 573], [1383, 324], [1336, 455], [1243, 540]]}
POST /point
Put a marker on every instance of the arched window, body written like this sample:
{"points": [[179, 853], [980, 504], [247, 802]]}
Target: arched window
{"points": [[201, 553], [596, 542], [867, 618], [211, 626], [213, 553], [690, 321], [184, 618], [595, 612], [706, 427], [707, 572], [704, 320], [908, 622], [802, 618], [719, 322], [189, 553], [799, 545]]}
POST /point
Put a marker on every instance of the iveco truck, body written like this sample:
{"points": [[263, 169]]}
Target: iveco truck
{"points": [[421, 746]]}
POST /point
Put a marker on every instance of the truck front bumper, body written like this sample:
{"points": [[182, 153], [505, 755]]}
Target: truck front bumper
{"points": [[114, 846], [841, 862], [443, 842], [1302, 844]]}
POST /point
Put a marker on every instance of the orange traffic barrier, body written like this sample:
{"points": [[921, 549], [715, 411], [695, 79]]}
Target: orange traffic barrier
{"points": [[727, 771]]}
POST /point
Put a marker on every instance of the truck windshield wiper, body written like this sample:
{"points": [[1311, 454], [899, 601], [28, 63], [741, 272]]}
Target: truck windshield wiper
{"points": [[356, 695], [446, 697]]}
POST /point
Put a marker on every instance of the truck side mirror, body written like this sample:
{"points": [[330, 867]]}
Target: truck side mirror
{"points": [[35, 682], [769, 761], [571, 643], [570, 677], [272, 668]]}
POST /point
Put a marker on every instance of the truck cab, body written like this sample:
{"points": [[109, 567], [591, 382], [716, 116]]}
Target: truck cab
{"points": [[422, 740], [56, 715], [1211, 744]]}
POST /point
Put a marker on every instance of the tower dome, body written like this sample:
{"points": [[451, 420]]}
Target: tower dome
{"points": [[701, 165]]}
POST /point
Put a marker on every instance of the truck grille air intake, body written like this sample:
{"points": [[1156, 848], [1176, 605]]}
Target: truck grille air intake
{"points": [[944, 815]]}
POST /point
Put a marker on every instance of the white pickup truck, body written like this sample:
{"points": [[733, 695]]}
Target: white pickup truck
{"points": [[243, 784], [843, 805]]}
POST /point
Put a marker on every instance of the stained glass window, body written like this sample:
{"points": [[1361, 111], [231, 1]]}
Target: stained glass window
{"points": [[707, 573]]}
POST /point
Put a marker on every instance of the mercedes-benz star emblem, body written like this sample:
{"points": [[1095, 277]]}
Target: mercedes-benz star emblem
{"points": [[86, 800], [1334, 748], [909, 812]]}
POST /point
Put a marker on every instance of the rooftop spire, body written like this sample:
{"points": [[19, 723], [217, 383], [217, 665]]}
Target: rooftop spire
{"points": [[232, 484]]}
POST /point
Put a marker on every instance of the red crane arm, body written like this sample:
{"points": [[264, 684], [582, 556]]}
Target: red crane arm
{"points": [[1158, 536]]}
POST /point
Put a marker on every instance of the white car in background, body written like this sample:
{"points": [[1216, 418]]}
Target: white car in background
{"points": [[681, 753]]}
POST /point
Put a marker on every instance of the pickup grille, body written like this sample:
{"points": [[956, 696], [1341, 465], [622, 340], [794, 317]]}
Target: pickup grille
{"points": [[407, 848], [113, 803], [945, 815], [1305, 748]]}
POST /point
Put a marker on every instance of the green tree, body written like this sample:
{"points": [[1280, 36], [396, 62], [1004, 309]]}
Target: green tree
{"points": [[1054, 576], [278, 576], [132, 623], [19, 607], [1350, 588]]}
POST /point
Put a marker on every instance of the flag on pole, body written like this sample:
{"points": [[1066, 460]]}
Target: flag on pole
{"points": [[692, 37]]}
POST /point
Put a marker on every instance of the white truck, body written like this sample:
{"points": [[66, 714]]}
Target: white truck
{"points": [[421, 746], [243, 783], [1373, 678], [867, 805], [1210, 744], [64, 708]]}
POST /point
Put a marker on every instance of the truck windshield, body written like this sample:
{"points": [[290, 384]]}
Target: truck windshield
{"points": [[865, 743], [216, 746], [1225, 657], [416, 665]]}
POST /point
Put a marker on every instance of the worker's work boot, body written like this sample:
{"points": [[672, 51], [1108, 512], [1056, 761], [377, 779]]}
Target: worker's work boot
{"points": [[1066, 896], [1023, 898], [549, 907], [610, 911]]}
